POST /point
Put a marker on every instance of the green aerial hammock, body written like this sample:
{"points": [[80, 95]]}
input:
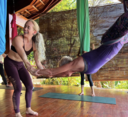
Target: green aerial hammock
{"points": [[83, 25], [84, 33]]}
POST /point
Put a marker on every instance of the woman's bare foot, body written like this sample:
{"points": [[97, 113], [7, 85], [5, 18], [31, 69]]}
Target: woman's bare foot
{"points": [[31, 112], [18, 115], [82, 93], [93, 94]]}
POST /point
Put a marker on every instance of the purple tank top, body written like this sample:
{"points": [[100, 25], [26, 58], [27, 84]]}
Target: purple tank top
{"points": [[97, 58]]}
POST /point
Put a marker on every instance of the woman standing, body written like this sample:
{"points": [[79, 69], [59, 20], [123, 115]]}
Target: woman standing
{"points": [[89, 76], [14, 63]]}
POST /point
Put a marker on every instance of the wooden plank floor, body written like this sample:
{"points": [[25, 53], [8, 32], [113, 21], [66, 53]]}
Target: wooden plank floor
{"points": [[47, 107]]}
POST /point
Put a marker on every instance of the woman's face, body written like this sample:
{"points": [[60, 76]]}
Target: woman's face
{"points": [[28, 29]]}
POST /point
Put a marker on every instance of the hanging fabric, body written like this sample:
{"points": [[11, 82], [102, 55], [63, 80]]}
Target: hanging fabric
{"points": [[83, 25], [14, 26], [13, 23], [3, 17]]}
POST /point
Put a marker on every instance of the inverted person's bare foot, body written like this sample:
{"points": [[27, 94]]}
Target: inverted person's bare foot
{"points": [[31, 112], [18, 115], [82, 93]]}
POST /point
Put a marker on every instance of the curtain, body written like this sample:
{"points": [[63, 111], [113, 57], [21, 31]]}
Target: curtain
{"points": [[3, 17], [14, 26]]}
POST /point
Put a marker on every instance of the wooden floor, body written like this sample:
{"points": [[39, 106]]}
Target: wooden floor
{"points": [[47, 107]]}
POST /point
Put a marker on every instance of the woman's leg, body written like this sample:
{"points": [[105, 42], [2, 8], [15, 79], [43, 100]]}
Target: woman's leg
{"points": [[13, 75], [91, 84], [90, 80], [26, 79], [82, 78], [82, 84]]}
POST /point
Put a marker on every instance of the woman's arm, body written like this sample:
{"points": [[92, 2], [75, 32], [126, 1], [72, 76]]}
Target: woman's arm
{"points": [[18, 44], [38, 62], [4, 55], [76, 65]]}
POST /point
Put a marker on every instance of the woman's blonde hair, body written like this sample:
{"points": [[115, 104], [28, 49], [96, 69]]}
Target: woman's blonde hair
{"points": [[64, 60], [39, 41]]}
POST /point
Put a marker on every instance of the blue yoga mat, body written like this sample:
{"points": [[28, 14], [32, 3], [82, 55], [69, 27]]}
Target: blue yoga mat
{"points": [[105, 100]]}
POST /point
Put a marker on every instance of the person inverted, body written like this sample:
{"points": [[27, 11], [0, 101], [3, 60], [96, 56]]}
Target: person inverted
{"points": [[90, 62]]}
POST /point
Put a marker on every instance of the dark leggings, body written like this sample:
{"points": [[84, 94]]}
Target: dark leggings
{"points": [[2, 74], [89, 79], [16, 71]]}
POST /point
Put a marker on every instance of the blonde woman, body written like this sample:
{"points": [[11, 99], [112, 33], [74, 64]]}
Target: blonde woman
{"points": [[14, 63]]}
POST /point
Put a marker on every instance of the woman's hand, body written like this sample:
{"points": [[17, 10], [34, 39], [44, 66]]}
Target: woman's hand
{"points": [[35, 72], [32, 70], [45, 73]]}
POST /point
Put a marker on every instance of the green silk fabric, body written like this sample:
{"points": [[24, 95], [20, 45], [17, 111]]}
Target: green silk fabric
{"points": [[83, 25]]}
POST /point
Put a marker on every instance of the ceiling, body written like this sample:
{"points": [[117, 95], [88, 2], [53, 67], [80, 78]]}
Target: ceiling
{"points": [[31, 9]]}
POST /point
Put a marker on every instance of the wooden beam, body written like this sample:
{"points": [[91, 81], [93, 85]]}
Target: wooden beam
{"points": [[27, 11], [46, 8], [26, 7], [20, 20], [19, 5], [35, 8], [42, 2], [119, 79]]}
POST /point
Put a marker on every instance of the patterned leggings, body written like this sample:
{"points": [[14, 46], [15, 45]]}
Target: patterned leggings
{"points": [[17, 72]]}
